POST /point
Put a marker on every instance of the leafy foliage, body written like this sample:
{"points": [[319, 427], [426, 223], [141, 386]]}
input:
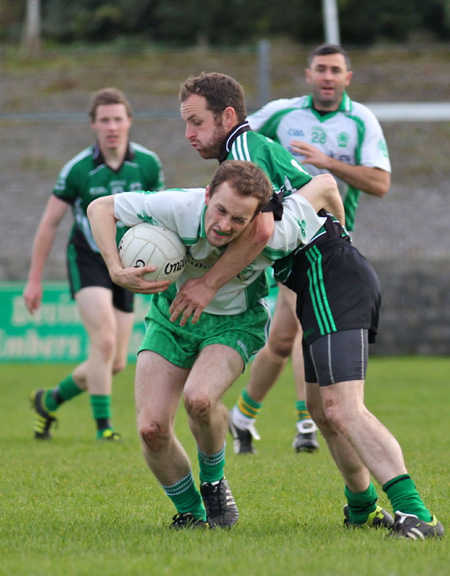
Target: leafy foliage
{"points": [[229, 22]]}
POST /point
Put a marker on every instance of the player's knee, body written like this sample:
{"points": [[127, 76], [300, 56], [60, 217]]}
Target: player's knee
{"points": [[119, 366], [104, 347], [317, 414], [198, 408], [154, 436], [281, 346], [334, 416]]}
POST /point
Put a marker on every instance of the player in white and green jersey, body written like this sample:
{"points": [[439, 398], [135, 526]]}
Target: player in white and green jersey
{"points": [[351, 134], [113, 165], [184, 211], [201, 360], [328, 133]]}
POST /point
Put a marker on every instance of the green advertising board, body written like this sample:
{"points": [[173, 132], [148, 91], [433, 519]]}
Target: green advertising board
{"points": [[55, 332]]}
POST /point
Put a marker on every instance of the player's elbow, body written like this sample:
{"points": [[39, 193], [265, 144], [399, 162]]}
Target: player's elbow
{"points": [[330, 185], [263, 235], [92, 209], [99, 207], [384, 188], [380, 186], [330, 191], [264, 227]]}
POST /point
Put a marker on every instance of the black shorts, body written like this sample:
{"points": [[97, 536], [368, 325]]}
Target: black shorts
{"points": [[337, 357], [87, 268], [337, 289]]}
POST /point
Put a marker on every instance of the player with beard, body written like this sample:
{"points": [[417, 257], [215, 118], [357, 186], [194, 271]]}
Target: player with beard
{"points": [[338, 300]]}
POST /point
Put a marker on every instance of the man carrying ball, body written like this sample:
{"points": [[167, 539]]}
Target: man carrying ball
{"points": [[201, 361]]}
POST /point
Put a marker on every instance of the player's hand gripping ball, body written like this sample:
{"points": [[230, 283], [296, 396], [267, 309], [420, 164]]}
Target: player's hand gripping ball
{"points": [[148, 244]]}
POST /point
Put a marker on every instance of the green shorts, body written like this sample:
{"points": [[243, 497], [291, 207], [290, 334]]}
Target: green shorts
{"points": [[246, 333]]}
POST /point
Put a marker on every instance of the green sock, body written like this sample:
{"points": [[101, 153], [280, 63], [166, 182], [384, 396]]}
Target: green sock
{"points": [[302, 412], [211, 467], [247, 406], [101, 410], [66, 390], [186, 497], [404, 497], [361, 504]]}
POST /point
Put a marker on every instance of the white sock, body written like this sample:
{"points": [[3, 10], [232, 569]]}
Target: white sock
{"points": [[241, 421]]}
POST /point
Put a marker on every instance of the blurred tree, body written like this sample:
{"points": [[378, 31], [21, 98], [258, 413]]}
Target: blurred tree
{"points": [[98, 20], [436, 16], [11, 19], [223, 22], [230, 22]]}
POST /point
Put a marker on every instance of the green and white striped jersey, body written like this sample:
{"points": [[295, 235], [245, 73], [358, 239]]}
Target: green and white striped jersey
{"points": [[86, 177], [351, 134], [285, 173], [183, 212]]}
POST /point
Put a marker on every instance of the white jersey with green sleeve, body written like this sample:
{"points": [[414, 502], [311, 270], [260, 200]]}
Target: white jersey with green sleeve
{"points": [[351, 134], [183, 212]]}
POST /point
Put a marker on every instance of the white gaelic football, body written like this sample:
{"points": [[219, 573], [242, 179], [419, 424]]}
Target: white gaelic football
{"points": [[148, 244]]}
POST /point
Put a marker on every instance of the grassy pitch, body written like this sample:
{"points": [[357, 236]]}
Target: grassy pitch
{"points": [[74, 506]]}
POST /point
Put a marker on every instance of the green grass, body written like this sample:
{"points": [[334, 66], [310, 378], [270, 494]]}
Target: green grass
{"points": [[74, 506]]}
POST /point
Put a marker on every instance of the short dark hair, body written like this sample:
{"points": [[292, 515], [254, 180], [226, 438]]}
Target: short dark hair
{"points": [[325, 49], [107, 96], [219, 91], [246, 179]]}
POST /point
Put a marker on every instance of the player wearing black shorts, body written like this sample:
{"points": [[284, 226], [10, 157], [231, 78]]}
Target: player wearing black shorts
{"points": [[113, 165], [87, 268], [338, 300], [338, 303], [346, 310]]}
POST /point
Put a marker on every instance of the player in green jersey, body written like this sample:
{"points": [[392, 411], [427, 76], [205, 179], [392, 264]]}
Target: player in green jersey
{"points": [[228, 139], [113, 165], [328, 133], [338, 300]]}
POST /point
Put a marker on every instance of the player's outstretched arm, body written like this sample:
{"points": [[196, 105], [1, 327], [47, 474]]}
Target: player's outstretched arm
{"points": [[103, 224], [196, 294]]}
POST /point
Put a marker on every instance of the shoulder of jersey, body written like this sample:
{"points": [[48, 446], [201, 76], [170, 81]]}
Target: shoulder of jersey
{"points": [[142, 149], [360, 110]]}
